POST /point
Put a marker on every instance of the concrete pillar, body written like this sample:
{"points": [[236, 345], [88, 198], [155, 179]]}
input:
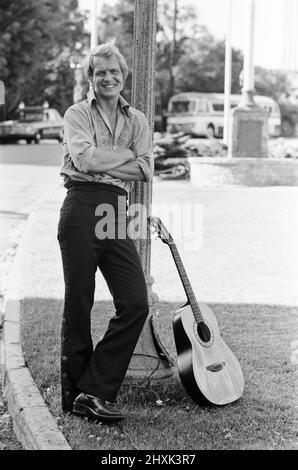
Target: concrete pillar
{"points": [[146, 362], [249, 135]]}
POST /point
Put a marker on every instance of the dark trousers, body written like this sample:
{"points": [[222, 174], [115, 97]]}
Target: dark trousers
{"points": [[98, 372]]}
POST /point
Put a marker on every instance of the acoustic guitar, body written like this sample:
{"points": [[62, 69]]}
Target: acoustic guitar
{"points": [[209, 371]]}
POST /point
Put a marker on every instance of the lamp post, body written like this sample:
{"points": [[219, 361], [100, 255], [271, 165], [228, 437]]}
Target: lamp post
{"points": [[146, 362], [75, 64]]}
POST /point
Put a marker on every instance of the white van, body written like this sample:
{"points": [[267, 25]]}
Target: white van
{"points": [[202, 114]]}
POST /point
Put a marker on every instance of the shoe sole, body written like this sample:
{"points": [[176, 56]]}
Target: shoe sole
{"points": [[86, 412]]}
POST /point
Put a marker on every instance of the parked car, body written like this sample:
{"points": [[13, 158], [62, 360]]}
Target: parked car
{"points": [[33, 123]]}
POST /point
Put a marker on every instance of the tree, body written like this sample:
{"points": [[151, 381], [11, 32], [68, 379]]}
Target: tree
{"points": [[277, 85], [177, 23], [273, 83], [117, 24], [36, 39], [202, 66], [192, 54], [199, 58]]}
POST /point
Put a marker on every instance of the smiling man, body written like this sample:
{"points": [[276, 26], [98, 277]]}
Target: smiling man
{"points": [[107, 145]]}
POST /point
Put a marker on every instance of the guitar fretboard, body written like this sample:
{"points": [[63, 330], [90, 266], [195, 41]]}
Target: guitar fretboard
{"points": [[186, 283]]}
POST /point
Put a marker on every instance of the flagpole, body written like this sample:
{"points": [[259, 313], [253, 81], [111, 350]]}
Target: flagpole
{"points": [[248, 66], [228, 73], [94, 29]]}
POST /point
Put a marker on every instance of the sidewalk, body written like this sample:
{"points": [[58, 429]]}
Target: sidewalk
{"points": [[246, 253]]}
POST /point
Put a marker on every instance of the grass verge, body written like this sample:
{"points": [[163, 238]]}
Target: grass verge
{"points": [[163, 417]]}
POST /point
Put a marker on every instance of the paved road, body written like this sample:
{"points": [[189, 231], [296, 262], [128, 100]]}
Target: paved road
{"points": [[47, 153], [8, 221], [26, 172]]}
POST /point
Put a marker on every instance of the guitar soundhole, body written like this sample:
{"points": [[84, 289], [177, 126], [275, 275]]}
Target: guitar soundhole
{"points": [[204, 332]]}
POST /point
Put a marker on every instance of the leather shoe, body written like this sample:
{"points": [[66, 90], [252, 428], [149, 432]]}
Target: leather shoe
{"points": [[94, 407]]}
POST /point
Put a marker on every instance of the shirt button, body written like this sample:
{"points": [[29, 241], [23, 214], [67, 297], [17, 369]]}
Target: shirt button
{"points": [[64, 358]]}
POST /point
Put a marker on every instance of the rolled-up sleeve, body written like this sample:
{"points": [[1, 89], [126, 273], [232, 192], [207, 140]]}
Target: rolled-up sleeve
{"points": [[79, 138], [143, 147]]}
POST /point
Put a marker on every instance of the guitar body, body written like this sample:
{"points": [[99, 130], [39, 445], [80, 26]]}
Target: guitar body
{"points": [[208, 370]]}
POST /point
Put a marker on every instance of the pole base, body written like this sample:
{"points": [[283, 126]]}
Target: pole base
{"points": [[247, 99], [150, 360]]}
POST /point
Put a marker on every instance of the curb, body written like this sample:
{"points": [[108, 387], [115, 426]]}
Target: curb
{"points": [[33, 423]]}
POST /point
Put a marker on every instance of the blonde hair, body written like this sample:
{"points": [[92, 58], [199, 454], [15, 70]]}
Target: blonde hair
{"points": [[105, 50]]}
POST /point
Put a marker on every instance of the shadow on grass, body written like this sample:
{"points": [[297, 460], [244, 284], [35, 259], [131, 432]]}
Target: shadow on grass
{"points": [[162, 416]]}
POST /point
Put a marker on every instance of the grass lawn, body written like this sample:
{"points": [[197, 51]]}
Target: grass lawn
{"points": [[264, 418]]}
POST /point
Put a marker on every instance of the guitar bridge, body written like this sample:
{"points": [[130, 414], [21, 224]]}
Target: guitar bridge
{"points": [[216, 366]]}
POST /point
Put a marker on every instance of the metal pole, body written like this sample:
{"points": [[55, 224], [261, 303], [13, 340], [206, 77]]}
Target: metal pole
{"points": [[228, 73], [248, 68], [94, 29]]}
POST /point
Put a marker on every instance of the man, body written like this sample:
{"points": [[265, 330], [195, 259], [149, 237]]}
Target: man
{"points": [[107, 145]]}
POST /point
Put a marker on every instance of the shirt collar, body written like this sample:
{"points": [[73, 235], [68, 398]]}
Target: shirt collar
{"points": [[124, 105]]}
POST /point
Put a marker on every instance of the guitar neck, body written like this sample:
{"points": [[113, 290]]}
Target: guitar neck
{"points": [[186, 283]]}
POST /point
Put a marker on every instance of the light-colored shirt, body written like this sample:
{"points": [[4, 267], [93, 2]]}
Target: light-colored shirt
{"points": [[86, 127]]}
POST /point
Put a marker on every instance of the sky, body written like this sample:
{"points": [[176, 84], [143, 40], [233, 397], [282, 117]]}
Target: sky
{"points": [[268, 48], [268, 27]]}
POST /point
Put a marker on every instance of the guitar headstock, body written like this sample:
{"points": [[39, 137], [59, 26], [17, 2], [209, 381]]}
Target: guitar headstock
{"points": [[160, 229]]}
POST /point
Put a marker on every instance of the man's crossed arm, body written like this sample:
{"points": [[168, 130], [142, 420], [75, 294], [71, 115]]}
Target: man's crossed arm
{"points": [[122, 163], [119, 163]]}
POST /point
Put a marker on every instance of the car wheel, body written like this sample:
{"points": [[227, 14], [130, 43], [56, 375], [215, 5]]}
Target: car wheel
{"points": [[37, 138], [210, 132]]}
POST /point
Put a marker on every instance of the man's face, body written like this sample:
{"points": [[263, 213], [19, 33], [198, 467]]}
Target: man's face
{"points": [[107, 79]]}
